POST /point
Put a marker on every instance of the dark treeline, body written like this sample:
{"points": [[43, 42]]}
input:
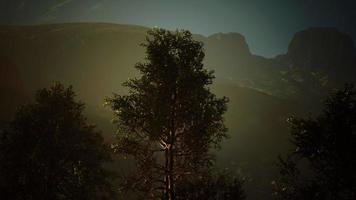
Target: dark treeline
{"points": [[167, 125], [50, 151], [322, 166]]}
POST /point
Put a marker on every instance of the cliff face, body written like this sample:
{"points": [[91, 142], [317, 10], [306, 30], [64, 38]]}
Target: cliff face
{"points": [[323, 49], [229, 42], [227, 53]]}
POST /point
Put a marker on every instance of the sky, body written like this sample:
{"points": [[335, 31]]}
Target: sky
{"points": [[268, 25]]}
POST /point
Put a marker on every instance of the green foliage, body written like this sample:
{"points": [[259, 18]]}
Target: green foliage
{"points": [[170, 119], [325, 149], [50, 151]]}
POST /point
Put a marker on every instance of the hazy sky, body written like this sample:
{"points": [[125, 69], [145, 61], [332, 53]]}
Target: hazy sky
{"points": [[268, 25]]}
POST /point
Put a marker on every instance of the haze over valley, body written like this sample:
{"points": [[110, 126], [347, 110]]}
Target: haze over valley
{"points": [[97, 57]]}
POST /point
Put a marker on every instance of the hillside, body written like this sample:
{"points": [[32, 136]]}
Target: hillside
{"points": [[97, 58]]}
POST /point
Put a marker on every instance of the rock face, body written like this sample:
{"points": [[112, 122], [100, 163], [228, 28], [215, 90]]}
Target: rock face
{"points": [[229, 42], [323, 49], [227, 53]]}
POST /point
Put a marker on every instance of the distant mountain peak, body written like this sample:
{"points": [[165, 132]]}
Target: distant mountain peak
{"points": [[222, 35], [322, 48], [233, 42]]}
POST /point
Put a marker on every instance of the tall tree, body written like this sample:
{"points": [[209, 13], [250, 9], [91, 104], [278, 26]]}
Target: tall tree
{"points": [[50, 151], [169, 120], [323, 163]]}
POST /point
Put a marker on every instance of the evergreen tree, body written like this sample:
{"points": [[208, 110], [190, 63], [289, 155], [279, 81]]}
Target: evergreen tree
{"points": [[323, 163], [170, 119], [50, 151]]}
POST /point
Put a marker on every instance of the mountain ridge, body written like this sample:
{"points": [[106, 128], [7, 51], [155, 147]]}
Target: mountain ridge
{"points": [[97, 58]]}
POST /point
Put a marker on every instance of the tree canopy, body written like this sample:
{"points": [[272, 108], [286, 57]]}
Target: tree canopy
{"points": [[51, 151], [322, 166], [218, 186], [169, 120]]}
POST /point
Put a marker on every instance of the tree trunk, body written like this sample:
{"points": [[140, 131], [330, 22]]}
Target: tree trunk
{"points": [[166, 178], [170, 169], [171, 140], [169, 163]]}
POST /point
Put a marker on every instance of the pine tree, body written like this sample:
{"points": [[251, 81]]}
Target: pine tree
{"points": [[169, 120]]}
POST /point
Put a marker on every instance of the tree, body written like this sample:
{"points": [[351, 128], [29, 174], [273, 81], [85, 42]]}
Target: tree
{"points": [[325, 152], [221, 186], [169, 120], [50, 151]]}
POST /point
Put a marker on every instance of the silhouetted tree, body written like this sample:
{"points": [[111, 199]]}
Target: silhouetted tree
{"points": [[323, 163], [170, 119], [50, 151]]}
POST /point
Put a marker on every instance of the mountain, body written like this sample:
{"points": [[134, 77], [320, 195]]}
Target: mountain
{"points": [[319, 59], [96, 58], [229, 55], [323, 49]]}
